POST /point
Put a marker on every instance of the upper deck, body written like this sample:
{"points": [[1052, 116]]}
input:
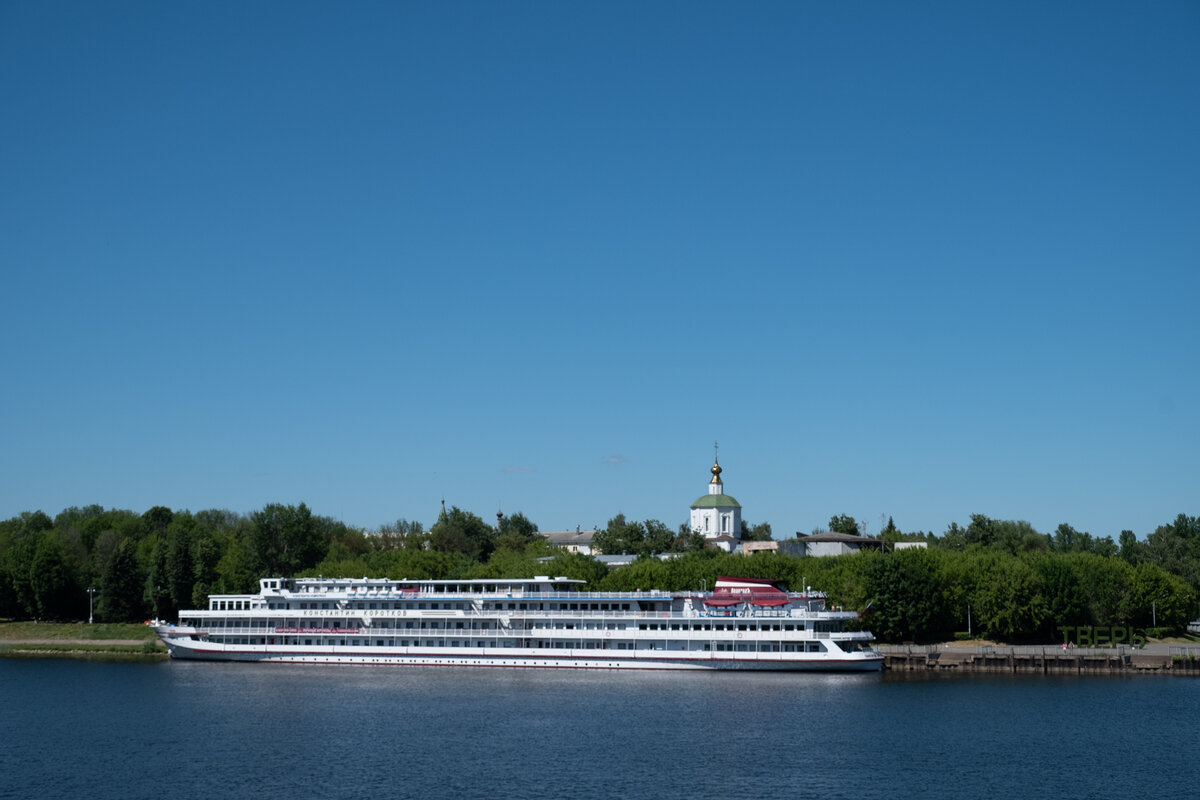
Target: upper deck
{"points": [[513, 596]]}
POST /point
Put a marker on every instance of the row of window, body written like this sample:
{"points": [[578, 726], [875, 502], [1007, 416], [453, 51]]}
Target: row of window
{"points": [[722, 626], [219, 624], [741, 647], [219, 605]]}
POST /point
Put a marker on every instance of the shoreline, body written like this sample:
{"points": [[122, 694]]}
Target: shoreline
{"points": [[1157, 658], [144, 650]]}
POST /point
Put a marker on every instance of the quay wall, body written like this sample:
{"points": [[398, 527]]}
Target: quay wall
{"points": [[1046, 660]]}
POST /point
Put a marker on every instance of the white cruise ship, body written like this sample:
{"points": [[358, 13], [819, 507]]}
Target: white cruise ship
{"points": [[540, 622]]}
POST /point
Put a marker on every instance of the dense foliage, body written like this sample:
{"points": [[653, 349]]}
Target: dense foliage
{"points": [[1011, 582]]}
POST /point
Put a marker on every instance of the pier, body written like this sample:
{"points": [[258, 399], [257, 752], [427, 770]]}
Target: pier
{"points": [[1044, 659]]}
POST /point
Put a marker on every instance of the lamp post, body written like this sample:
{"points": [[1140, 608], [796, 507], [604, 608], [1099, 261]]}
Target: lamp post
{"points": [[1154, 610], [91, 591]]}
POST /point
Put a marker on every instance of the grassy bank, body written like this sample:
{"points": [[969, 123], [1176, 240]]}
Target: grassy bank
{"points": [[79, 640], [49, 631]]}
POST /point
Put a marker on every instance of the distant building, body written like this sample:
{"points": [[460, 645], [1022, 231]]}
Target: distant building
{"points": [[772, 546], [575, 541], [838, 544], [717, 516]]}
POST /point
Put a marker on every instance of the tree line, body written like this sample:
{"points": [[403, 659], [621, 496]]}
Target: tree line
{"points": [[1010, 581]]}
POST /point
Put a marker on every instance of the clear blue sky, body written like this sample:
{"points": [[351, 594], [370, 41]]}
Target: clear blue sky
{"points": [[918, 260]]}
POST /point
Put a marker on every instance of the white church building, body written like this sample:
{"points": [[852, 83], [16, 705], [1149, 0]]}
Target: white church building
{"points": [[717, 516]]}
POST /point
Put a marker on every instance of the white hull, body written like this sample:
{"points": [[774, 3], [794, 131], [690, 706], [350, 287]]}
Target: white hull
{"points": [[519, 658]]}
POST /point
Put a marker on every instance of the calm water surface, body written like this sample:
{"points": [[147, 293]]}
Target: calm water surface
{"points": [[185, 730]]}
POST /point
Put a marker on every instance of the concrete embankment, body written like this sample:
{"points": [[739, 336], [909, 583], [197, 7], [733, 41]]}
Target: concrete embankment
{"points": [[1048, 660]]}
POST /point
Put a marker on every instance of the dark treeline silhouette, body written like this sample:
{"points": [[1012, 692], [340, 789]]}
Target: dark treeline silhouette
{"points": [[1011, 581]]}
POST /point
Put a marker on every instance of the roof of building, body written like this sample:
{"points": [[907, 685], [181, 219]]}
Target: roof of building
{"points": [[562, 538], [716, 501], [846, 538]]}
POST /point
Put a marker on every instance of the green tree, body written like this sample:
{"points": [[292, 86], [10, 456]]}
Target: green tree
{"points": [[158, 519], [659, 538], [1017, 536], [55, 590], [1063, 598], [1130, 548], [235, 569], [180, 561], [578, 566], [890, 532], [981, 531], [1156, 597], [403, 535], [516, 533], [908, 601], [1104, 583], [285, 540], [1175, 547], [1005, 596], [756, 533], [620, 536], [121, 587], [206, 554], [844, 524], [458, 531], [687, 540], [16, 564], [955, 538]]}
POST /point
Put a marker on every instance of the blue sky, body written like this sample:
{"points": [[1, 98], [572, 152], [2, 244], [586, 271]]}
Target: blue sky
{"points": [[913, 260]]}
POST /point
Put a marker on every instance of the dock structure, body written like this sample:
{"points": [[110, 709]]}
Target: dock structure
{"points": [[1044, 660]]}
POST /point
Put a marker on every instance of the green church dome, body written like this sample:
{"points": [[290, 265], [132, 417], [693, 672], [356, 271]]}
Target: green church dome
{"points": [[716, 501]]}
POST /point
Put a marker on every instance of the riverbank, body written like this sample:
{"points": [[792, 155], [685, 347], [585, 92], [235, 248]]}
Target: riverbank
{"points": [[1154, 658], [79, 640]]}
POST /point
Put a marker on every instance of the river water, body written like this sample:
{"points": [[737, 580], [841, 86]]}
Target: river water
{"points": [[197, 730]]}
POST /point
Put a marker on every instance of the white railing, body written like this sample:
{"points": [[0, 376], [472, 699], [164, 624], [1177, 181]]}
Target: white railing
{"points": [[492, 613], [581, 634]]}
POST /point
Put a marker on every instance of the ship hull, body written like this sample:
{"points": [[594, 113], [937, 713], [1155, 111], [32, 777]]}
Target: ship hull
{"points": [[514, 658]]}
